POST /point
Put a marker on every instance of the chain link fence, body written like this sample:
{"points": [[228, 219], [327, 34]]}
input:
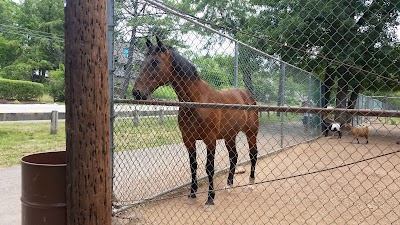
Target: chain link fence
{"points": [[305, 172]]}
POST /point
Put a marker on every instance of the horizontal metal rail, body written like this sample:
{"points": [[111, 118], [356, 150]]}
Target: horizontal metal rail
{"points": [[260, 108]]}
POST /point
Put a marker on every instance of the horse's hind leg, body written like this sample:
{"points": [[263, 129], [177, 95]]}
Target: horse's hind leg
{"points": [[233, 157], [210, 171], [191, 148], [252, 140]]}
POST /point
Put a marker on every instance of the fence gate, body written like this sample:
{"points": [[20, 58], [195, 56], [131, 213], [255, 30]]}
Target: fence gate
{"points": [[301, 176]]}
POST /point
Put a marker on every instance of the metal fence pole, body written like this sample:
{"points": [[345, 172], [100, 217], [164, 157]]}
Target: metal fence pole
{"points": [[282, 97], [236, 66], [110, 37], [309, 103]]}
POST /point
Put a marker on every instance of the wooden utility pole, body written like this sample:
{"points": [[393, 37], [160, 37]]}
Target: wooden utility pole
{"points": [[87, 113]]}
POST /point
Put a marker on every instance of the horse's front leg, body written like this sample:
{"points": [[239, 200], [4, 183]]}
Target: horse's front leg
{"points": [[193, 169], [210, 173]]}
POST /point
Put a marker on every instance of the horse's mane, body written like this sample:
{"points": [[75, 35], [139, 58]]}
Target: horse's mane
{"points": [[183, 66]]}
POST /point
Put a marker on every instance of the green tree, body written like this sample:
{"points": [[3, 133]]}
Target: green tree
{"points": [[57, 84], [216, 70], [10, 51], [347, 34], [346, 43], [135, 21], [31, 38], [227, 13], [44, 21], [8, 11]]}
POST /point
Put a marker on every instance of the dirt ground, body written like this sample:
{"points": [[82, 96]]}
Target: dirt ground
{"points": [[326, 181]]}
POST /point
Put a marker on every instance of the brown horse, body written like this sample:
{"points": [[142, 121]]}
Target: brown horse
{"points": [[163, 65]]}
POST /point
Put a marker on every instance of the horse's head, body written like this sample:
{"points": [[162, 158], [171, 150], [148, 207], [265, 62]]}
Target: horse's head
{"points": [[156, 70]]}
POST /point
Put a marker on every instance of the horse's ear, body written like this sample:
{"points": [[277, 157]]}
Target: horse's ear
{"points": [[148, 43], [159, 42], [160, 45]]}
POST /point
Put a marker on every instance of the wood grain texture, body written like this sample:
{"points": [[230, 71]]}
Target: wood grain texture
{"points": [[87, 113]]}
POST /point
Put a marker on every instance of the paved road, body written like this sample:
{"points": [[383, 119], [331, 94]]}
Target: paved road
{"points": [[30, 108], [10, 189]]}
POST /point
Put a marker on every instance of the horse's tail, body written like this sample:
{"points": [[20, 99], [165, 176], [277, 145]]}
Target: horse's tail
{"points": [[248, 97], [252, 115]]}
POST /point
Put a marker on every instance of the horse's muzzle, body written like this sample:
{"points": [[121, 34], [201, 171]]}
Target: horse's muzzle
{"points": [[138, 96]]}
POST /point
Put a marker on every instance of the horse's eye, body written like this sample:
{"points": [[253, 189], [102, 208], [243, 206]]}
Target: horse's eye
{"points": [[154, 63]]}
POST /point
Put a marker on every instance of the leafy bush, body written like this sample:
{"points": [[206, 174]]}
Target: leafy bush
{"points": [[57, 84], [18, 71], [165, 92], [20, 90]]}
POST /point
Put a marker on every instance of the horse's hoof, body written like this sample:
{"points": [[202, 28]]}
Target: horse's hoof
{"points": [[208, 208], [228, 188], [249, 188], [240, 169], [191, 201]]}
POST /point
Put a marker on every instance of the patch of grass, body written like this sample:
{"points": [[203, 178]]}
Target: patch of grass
{"points": [[47, 99], [394, 121], [148, 134], [273, 118], [22, 138]]}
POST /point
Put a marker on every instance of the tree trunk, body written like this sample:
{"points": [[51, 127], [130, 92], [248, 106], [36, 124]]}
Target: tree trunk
{"points": [[87, 114], [327, 86], [355, 91], [341, 95], [129, 64]]}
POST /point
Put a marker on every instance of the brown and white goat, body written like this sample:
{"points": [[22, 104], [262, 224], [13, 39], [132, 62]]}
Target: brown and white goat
{"points": [[361, 131]]}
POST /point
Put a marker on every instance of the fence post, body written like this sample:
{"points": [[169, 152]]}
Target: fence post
{"points": [[136, 117], [87, 113], [161, 118], [54, 121]]}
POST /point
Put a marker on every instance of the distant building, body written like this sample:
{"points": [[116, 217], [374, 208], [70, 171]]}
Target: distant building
{"points": [[121, 56]]}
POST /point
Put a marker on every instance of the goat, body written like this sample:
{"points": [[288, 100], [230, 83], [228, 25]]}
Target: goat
{"points": [[361, 131], [330, 124]]}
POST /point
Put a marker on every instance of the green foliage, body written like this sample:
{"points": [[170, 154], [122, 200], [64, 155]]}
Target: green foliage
{"points": [[57, 84], [17, 71], [357, 33], [216, 70], [31, 37], [20, 90], [9, 51], [165, 92], [8, 10]]}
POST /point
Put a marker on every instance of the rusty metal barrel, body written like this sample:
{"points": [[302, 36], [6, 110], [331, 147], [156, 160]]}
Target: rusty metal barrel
{"points": [[43, 185]]}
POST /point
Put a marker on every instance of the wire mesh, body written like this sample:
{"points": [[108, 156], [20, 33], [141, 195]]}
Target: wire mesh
{"points": [[308, 171]]}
